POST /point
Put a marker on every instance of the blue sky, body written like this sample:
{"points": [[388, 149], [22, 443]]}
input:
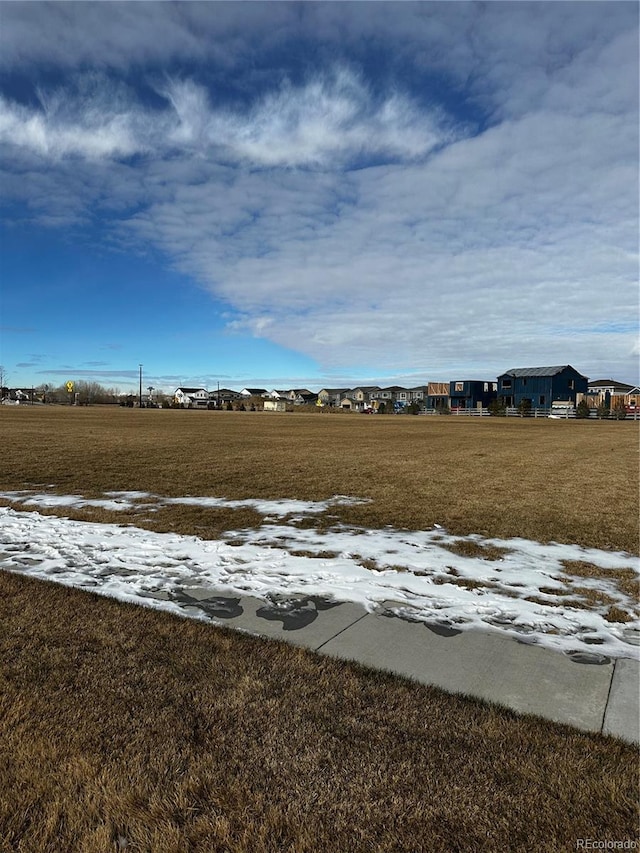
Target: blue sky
{"points": [[309, 194]]}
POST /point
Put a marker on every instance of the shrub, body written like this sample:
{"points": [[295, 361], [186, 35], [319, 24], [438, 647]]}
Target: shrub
{"points": [[497, 409], [618, 410], [582, 409], [602, 410], [524, 408]]}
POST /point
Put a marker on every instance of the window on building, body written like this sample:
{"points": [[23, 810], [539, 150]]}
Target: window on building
{"points": [[459, 386], [543, 400], [572, 384], [506, 383]]}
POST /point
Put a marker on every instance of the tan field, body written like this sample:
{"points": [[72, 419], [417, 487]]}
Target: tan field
{"points": [[123, 728], [567, 481]]}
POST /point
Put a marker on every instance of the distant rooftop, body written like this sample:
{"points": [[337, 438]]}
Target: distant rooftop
{"points": [[609, 383], [537, 371]]}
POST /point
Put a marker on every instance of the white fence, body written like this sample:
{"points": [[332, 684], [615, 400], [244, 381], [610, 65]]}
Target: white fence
{"points": [[559, 412], [478, 413], [511, 412]]}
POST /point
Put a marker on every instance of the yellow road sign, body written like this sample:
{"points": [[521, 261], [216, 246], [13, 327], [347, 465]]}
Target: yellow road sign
{"points": [[70, 387]]}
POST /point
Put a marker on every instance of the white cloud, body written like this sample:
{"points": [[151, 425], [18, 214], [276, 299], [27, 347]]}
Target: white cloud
{"points": [[68, 34], [515, 241], [93, 127], [488, 248], [493, 244], [329, 121]]}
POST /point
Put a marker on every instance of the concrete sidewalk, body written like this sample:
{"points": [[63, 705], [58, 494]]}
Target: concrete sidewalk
{"points": [[584, 690]]}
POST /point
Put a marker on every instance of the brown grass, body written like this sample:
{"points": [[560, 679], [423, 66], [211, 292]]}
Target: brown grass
{"points": [[626, 580], [466, 583], [119, 723], [495, 477], [617, 614], [469, 548]]}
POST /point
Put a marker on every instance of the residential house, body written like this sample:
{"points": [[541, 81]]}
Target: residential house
{"points": [[294, 393], [358, 399], [297, 396], [361, 396], [191, 398], [305, 398], [419, 394], [331, 396], [349, 402], [541, 386], [406, 396], [605, 390], [602, 386], [403, 398], [612, 393], [222, 396], [437, 395], [254, 392], [387, 396], [472, 393]]}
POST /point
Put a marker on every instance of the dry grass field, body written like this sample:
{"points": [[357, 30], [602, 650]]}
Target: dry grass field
{"points": [[568, 481], [123, 728]]}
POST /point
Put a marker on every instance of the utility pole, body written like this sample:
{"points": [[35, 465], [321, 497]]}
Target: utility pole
{"points": [[140, 393]]}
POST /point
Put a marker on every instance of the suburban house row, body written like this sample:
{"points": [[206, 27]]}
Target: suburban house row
{"points": [[537, 387]]}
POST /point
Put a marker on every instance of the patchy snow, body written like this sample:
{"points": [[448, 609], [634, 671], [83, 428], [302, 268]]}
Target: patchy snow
{"points": [[121, 501], [411, 574], [116, 501], [278, 508]]}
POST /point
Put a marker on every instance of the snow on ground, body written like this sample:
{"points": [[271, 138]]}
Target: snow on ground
{"points": [[411, 574], [121, 501]]}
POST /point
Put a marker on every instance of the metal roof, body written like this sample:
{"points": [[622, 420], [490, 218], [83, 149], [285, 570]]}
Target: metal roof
{"points": [[609, 383], [536, 371]]}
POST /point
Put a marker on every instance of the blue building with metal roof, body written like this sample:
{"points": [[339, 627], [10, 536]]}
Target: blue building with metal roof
{"points": [[541, 385], [471, 393]]}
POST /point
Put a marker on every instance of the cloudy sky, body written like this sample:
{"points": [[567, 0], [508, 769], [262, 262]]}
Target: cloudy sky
{"points": [[310, 194]]}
